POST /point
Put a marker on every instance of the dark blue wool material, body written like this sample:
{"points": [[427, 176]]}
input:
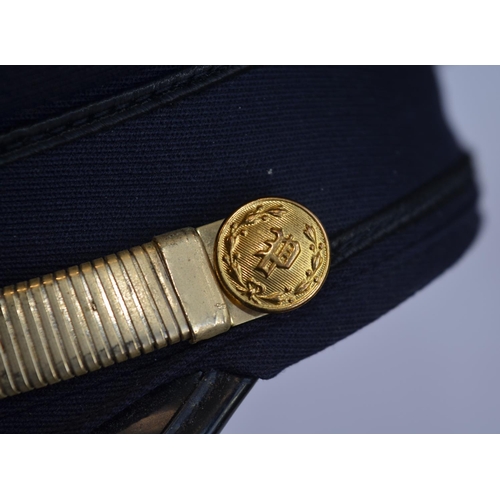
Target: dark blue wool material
{"points": [[345, 142]]}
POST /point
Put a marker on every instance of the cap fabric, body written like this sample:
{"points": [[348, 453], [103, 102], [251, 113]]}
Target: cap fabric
{"points": [[346, 142]]}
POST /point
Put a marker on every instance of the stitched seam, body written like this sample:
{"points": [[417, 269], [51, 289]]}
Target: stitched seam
{"points": [[462, 172], [101, 419], [55, 131], [423, 241], [411, 208], [113, 110]]}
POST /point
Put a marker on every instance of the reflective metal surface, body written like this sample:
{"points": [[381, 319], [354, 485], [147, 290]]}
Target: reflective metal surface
{"points": [[200, 403], [108, 310], [272, 255]]}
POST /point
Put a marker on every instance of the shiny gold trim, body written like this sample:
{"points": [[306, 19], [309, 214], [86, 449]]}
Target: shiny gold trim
{"points": [[118, 307], [108, 310], [272, 255]]}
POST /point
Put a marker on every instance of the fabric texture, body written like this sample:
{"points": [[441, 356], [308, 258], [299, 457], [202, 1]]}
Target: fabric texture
{"points": [[68, 126], [343, 141]]}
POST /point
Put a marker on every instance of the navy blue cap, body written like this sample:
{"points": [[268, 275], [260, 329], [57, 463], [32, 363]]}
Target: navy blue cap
{"points": [[96, 160]]}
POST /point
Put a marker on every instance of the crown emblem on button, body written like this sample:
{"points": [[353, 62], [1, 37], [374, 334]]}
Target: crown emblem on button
{"points": [[272, 255]]}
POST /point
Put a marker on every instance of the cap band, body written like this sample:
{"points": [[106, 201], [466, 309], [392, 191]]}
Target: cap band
{"points": [[103, 312]]}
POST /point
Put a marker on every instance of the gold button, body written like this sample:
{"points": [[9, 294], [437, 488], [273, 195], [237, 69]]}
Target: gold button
{"points": [[272, 255]]}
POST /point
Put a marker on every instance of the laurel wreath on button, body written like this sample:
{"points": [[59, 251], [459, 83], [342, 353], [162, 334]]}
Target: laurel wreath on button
{"points": [[254, 289]]}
